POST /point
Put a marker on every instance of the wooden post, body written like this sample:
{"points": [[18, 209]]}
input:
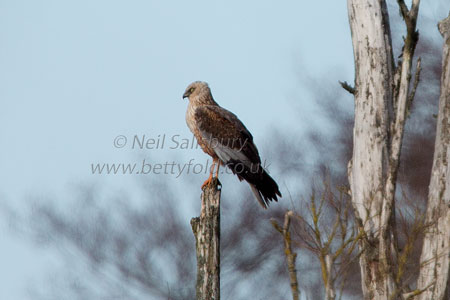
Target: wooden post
{"points": [[206, 229]]}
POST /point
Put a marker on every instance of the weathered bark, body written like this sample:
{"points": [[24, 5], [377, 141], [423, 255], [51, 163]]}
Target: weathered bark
{"points": [[381, 105], [434, 276], [291, 256], [206, 229], [368, 168]]}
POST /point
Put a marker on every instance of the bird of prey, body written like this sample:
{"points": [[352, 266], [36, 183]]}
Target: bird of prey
{"points": [[223, 136]]}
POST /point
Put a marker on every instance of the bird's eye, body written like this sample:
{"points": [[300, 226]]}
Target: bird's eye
{"points": [[191, 89]]}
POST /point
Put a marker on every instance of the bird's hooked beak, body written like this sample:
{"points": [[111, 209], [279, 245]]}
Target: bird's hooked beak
{"points": [[186, 94]]}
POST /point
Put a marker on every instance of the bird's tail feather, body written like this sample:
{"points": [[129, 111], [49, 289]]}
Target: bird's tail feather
{"points": [[258, 197], [267, 188], [262, 185]]}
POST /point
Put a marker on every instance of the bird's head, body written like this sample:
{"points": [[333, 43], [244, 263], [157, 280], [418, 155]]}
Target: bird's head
{"points": [[197, 91]]}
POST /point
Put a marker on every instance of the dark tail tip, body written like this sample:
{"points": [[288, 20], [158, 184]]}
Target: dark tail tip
{"points": [[266, 190]]}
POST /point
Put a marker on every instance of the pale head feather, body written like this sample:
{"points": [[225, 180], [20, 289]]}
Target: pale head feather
{"points": [[199, 93]]}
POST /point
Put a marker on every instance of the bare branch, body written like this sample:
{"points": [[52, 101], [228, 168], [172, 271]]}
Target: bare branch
{"points": [[412, 94], [414, 9], [410, 16], [414, 293], [290, 255], [347, 87], [403, 9]]}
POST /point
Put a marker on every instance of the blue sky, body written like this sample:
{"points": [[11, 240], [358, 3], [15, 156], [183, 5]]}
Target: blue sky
{"points": [[75, 74]]}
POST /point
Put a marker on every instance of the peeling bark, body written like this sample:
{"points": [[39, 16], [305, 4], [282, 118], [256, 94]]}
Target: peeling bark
{"points": [[434, 276], [206, 229]]}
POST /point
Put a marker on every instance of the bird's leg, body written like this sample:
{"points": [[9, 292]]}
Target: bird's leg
{"points": [[211, 171], [217, 171]]}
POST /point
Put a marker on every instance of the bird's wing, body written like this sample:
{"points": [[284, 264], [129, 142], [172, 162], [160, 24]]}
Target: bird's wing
{"points": [[233, 144], [226, 135]]}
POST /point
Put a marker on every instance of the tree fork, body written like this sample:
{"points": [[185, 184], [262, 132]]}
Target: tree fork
{"points": [[206, 229]]}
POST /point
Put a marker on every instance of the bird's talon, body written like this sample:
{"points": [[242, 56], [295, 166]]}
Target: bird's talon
{"points": [[207, 182]]}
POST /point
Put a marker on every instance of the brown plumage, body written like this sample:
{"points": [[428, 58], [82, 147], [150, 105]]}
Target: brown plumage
{"points": [[223, 136]]}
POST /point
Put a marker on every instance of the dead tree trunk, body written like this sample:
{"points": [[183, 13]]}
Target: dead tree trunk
{"points": [[434, 276], [382, 98], [206, 229], [367, 170]]}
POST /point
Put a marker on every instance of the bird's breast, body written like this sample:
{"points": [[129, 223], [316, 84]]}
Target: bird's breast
{"points": [[193, 126], [190, 118]]}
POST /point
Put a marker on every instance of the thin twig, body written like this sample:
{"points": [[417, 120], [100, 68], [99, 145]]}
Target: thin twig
{"points": [[414, 293]]}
